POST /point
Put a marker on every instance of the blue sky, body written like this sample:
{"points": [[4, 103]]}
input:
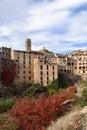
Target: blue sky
{"points": [[58, 25]]}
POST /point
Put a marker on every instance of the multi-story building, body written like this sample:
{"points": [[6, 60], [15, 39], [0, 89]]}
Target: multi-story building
{"points": [[80, 63], [65, 64], [39, 66], [45, 70], [32, 66], [74, 63], [7, 67]]}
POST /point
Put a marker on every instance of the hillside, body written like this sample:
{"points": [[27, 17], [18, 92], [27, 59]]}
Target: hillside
{"points": [[76, 119]]}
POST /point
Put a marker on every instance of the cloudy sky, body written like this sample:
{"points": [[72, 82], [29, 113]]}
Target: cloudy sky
{"points": [[58, 25]]}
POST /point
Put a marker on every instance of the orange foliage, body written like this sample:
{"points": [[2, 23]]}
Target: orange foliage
{"points": [[72, 89]]}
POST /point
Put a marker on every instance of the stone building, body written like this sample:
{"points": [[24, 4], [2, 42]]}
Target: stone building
{"points": [[80, 63], [7, 67], [32, 66], [45, 71], [41, 66], [65, 64]]}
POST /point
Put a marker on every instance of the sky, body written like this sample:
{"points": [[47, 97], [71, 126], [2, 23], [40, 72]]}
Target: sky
{"points": [[58, 25]]}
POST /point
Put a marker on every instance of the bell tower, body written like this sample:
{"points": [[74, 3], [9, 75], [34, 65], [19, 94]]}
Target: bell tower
{"points": [[28, 45]]}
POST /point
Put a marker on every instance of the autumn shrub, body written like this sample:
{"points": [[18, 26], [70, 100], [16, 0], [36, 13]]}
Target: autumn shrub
{"points": [[37, 114], [72, 89]]}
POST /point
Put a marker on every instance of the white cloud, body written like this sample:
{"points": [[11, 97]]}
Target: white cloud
{"points": [[47, 23], [5, 31]]}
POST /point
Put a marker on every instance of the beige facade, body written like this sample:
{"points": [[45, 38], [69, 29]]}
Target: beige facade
{"points": [[5, 53], [43, 66], [80, 63], [44, 72], [29, 65], [23, 60], [65, 64]]}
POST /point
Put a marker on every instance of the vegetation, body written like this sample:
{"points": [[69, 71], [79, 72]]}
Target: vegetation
{"points": [[83, 82], [6, 105], [30, 113], [53, 87], [67, 79], [35, 90], [81, 101]]}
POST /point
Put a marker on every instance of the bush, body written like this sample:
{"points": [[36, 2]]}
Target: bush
{"points": [[6, 105], [84, 97], [35, 90], [13, 126], [82, 101], [72, 89], [84, 82], [53, 87], [31, 114]]}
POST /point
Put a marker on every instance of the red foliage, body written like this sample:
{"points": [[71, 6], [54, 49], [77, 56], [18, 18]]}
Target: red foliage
{"points": [[8, 73], [31, 114]]}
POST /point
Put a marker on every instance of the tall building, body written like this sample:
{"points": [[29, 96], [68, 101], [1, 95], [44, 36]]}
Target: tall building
{"points": [[32, 66], [28, 66]]}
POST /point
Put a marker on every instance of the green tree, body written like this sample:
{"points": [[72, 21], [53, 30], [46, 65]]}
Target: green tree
{"points": [[53, 87]]}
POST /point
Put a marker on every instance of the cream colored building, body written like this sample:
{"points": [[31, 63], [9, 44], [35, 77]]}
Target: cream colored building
{"points": [[43, 66], [44, 71], [29, 65], [80, 63], [65, 64]]}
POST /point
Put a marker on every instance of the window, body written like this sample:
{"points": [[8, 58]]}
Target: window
{"points": [[41, 78], [47, 73], [41, 72], [41, 82], [23, 71], [83, 71], [24, 56], [47, 82], [24, 77], [80, 67], [41, 67], [29, 78], [68, 63], [23, 61], [29, 57], [53, 72], [53, 78], [53, 67], [47, 77], [47, 67], [75, 67]]}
